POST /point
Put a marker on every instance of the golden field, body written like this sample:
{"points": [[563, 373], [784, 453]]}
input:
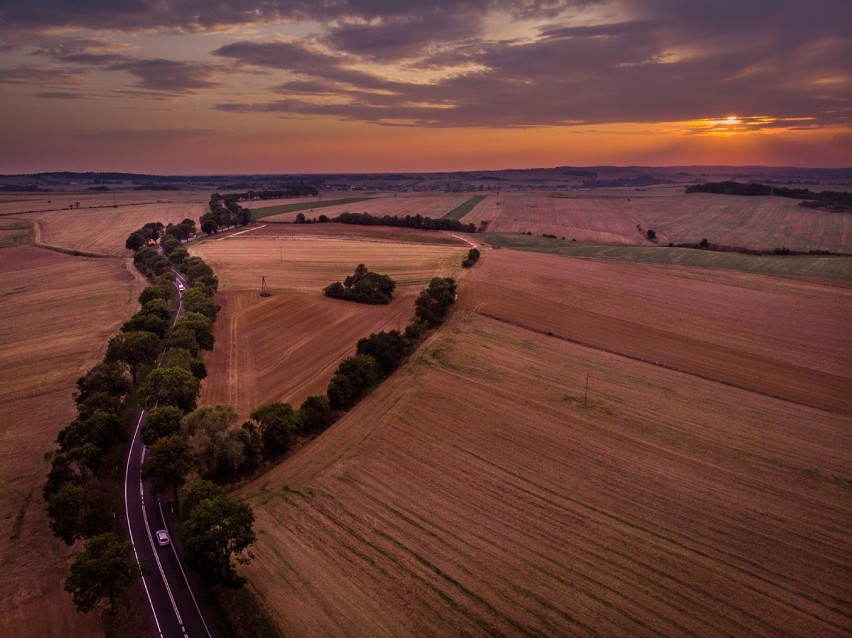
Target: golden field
{"points": [[763, 223], [56, 314], [477, 492], [287, 346]]}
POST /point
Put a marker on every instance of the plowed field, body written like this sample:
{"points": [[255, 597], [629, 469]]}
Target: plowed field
{"points": [[781, 337], [287, 346], [56, 314], [476, 492]]}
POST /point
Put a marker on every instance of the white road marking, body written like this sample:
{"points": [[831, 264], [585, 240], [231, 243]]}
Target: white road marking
{"points": [[130, 527], [180, 565], [156, 555], [241, 232]]}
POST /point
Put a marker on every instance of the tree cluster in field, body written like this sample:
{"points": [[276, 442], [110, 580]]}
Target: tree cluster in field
{"points": [[152, 231], [80, 488], [223, 213], [409, 221], [363, 286], [472, 258], [829, 200]]}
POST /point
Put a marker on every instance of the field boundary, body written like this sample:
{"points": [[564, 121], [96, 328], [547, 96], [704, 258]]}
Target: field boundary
{"points": [[659, 364]]}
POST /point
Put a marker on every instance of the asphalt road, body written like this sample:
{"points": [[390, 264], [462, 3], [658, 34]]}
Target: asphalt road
{"points": [[176, 607]]}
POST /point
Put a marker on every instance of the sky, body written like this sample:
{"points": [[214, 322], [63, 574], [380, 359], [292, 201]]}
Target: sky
{"points": [[310, 86]]}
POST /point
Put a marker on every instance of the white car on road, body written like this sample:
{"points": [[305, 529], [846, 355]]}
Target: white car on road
{"points": [[162, 537]]}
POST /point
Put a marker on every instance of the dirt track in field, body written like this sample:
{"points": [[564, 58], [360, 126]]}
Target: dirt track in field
{"points": [[782, 338]]}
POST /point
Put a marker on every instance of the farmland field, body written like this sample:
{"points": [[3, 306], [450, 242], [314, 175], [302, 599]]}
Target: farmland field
{"points": [[59, 200], [782, 337], [830, 267], [476, 492], [754, 222], [56, 314], [104, 230], [287, 346]]}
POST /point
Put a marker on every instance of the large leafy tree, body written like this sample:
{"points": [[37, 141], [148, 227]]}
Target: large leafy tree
{"points": [[216, 530], [218, 448], [135, 348], [168, 463], [109, 378], [201, 327], [170, 386], [278, 424], [77, 511], [102, 429], [316, 413], [161, 422], [101, 571]]}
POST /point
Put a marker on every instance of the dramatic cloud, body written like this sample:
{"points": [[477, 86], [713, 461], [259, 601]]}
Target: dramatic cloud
{"points": [[168, 76], [701, 69], [198, 15]]}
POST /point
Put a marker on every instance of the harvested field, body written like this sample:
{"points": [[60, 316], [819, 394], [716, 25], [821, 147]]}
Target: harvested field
{"points": [[756, 222], [603, 220], [353, 232], [287, 346], [104, 230], [56, 314], [763, 223], [433, 206], [13, 232], [311, 263], [66, 200], [782, 337], [476, 493]]}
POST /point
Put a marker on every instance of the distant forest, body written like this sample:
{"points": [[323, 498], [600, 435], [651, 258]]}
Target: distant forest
{"points": [[840, 201]]}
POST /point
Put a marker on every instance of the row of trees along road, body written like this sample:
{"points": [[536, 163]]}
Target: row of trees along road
{"points": [[152, 362]]}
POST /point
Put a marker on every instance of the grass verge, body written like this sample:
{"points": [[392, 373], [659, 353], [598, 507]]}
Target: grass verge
{"points": [[464, 208], [268, 211], [831, 267]]}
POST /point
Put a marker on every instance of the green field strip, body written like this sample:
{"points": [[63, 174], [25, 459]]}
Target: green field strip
{"points": [[268, 211], [830, 267], [463, 209]]}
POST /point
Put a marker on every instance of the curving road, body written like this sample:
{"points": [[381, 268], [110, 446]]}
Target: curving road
{"points": [[176, 607]]}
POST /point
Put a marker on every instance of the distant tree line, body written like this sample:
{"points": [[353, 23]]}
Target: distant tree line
{"points": [[409, 221], [297, 189], [829, 200], [363, 286]]}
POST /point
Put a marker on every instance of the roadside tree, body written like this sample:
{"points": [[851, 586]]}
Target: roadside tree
{"points": [[101, 571]]}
